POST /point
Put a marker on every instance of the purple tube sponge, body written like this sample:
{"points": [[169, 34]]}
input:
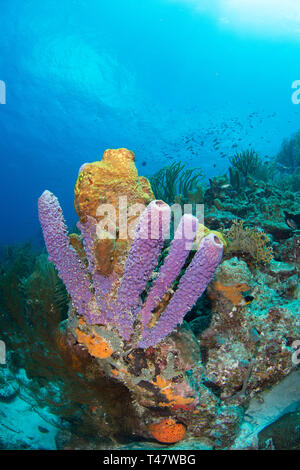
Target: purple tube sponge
{"points": [[90, 291], [88, 232], [61, 253], [153, 228], [174, 262], [101, 284], [191, 286]]}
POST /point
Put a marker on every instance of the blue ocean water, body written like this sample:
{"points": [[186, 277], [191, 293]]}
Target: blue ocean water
{"points": [[189, 81], [85, 76]]}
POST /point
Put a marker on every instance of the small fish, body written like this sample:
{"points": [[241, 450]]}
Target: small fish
{"points": [[247, 300], [292, 224], [292, 220], [283, 167]]}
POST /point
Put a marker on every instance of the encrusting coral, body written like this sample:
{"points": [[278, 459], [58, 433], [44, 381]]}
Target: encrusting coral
{"points": [[110, 315]]}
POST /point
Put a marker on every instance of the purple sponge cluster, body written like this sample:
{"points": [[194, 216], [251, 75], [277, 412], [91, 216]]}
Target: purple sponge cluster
{"points": [[90, 291]]}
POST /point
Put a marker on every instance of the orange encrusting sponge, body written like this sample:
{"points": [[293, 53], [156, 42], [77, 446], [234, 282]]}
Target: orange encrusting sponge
{"points": [[168, 431], [232, 293], [96, 345], [175, 400]]}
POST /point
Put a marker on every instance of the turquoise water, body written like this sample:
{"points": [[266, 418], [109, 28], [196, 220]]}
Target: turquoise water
{"points": [[85, 76], [190, 81]]}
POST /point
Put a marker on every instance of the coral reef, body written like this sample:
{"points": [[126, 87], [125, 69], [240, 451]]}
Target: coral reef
{"points": [[261, 204], [249, 340], [126, 317], [191, 341]]}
